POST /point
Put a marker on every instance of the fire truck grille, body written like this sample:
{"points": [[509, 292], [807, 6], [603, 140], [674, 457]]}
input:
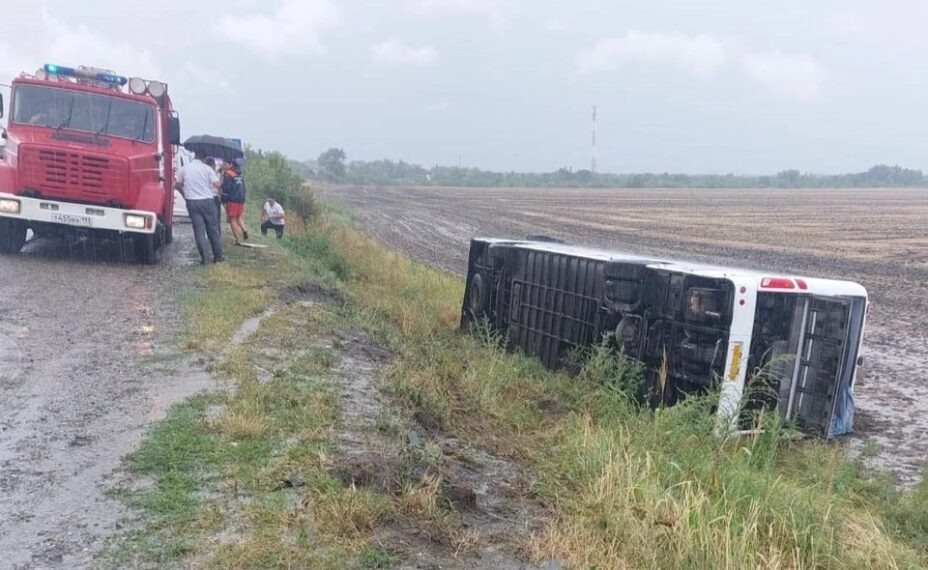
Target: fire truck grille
{"points": [[72, 174]]}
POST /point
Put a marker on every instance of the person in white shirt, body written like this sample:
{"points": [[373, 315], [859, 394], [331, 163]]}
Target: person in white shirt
{"points": [[273, 218], [199, 184]]}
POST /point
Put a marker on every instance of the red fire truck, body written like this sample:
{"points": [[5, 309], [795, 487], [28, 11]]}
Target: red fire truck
{"points": [[88, 153]]}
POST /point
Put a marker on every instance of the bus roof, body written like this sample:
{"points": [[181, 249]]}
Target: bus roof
{"points": [[765, 280]]}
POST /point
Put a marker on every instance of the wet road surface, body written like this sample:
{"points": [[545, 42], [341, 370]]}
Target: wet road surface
{"points": [[87, 360]]}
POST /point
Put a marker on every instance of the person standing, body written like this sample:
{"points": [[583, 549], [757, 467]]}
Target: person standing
{"points": [[273, 218], [211, 162], [233, 196], [199, 184]]}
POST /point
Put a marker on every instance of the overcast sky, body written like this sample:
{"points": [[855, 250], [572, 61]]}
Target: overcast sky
{"points": [[713, 86]]}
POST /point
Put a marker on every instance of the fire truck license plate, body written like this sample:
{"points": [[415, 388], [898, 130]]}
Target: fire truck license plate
{"points": [[72, 220]]}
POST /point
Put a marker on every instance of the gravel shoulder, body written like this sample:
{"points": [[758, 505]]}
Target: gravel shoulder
{"points": [[88, 360], [873, 236]]}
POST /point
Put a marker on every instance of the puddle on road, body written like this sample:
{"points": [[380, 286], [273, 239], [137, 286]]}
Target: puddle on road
{"points": [[180, 387], [251, 326]]}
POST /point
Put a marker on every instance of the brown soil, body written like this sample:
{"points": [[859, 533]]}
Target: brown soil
{"points": [[482, 515], [877, 237]]}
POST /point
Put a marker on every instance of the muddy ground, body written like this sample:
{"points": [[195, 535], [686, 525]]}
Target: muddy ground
{"points": [[87, 360], [482, 515], [877, 237]]}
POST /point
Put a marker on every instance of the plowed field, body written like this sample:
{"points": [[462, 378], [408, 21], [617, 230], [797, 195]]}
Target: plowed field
{"points": [[877, 237]]}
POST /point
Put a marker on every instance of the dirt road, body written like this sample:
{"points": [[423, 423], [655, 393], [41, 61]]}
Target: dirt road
{"points": [[873, 236], [86, 362]]}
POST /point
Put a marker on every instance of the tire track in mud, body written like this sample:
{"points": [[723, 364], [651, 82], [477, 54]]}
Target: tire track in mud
{"points": [[873, 236], [86, 363]]}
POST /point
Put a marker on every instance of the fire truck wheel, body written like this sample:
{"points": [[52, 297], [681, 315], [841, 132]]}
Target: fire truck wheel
{"points": [[12, 236], [148, 249], [169, 235]]}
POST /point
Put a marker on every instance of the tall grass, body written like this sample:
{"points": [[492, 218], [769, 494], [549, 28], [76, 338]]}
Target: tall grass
{"points": [[626, 486], [632, 487]]}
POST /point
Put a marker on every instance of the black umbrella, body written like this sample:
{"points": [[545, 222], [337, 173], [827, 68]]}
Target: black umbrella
{"points": [[217, 147]]}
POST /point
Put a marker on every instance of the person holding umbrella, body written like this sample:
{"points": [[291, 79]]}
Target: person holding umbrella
{"points": [[211, 162], [227, 150], [199, 184]]}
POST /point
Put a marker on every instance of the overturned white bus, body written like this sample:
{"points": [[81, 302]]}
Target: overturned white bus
{"points": [[770, 341]]}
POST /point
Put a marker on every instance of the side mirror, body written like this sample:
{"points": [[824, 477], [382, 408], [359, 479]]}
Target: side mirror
{"points": [[1, 105], [174, 130]]}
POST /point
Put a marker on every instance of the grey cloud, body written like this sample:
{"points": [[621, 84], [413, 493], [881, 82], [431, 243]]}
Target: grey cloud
{"points": [[300, 76], [395, 52], [293, 28], [792, 76]]}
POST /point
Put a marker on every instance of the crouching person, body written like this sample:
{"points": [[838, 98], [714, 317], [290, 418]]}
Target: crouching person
{"points": [[272, 218]]}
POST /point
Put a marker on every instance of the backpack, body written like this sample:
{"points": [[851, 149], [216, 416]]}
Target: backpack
{"points": [[233, 188]]}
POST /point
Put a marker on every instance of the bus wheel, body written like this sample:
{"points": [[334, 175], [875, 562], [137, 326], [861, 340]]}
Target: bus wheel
{"points": [[12, 236], [148, 249], [478, 297]]}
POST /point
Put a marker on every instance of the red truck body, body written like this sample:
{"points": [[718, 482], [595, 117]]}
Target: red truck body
{"points": [[84, 156]]}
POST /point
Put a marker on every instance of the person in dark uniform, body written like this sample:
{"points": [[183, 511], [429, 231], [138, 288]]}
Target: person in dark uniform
{"points": [[233, 196]]}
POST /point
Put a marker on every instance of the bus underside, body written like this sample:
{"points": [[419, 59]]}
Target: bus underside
{"points": [[550, 300]]}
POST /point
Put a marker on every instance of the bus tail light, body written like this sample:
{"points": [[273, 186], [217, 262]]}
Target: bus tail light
{"points": [[777, 283]]}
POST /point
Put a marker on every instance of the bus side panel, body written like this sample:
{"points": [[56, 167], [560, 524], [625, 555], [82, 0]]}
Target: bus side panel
{"points": [[548, 303], [556, 303]]}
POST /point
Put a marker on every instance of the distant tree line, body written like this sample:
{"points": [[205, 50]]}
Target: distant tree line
{"points": [[333, 166]]}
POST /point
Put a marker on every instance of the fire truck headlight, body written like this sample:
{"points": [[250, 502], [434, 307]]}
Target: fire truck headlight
{"points": [[156, 88], [9, 206], [136, 222], [137, 86]]}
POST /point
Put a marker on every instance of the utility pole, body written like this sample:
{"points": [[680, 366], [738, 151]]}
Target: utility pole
{"points": [[593, 162]]}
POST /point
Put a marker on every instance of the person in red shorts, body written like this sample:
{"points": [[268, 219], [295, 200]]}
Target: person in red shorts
{"points": [[233, 196]]}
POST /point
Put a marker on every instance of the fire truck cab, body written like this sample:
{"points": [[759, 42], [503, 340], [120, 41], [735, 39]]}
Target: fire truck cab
{"points": [[88, 152]]}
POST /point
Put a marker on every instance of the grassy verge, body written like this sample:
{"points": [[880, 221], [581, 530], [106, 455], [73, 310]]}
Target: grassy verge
{"points": [[627, 487], [634, 487]]}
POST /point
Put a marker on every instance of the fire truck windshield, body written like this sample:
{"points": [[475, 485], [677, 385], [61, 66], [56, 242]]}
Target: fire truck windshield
{"points": [[98, 114]]}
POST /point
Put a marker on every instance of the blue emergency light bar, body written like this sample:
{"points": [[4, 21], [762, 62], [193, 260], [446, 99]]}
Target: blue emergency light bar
{"points": [[102, 77]]}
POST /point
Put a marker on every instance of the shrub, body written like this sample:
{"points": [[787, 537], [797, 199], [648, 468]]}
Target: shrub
{"points": [[268, 174]]}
